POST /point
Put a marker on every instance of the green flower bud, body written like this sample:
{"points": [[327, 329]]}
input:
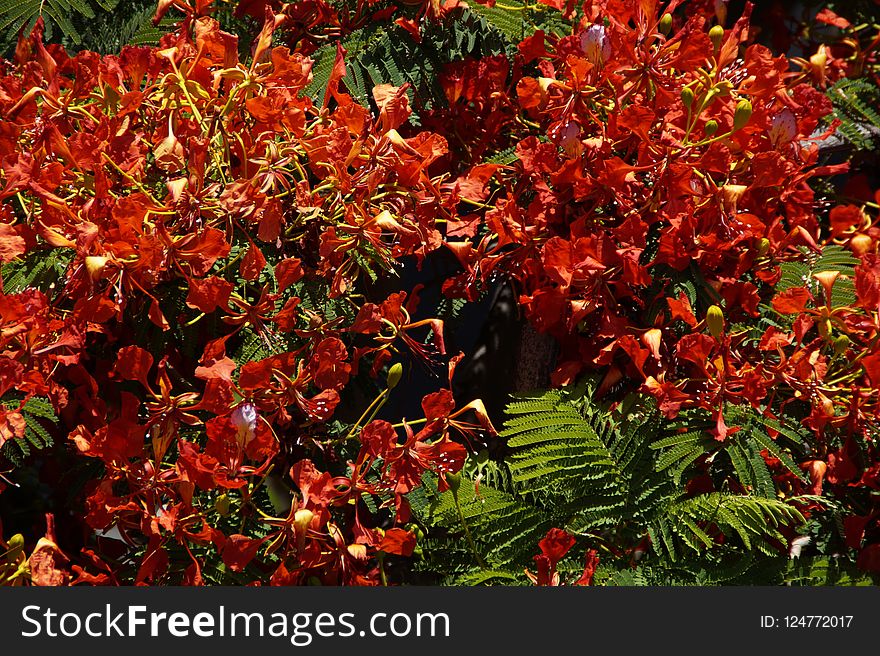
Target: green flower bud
{"points": [[665, 23], [742, 114], [841, 344], [394, 375], [221, 505], [16, 543], [715, 35], [416, 530], [715, 321], [454, 482], [687, 97], [763, 246], [711, 127]]}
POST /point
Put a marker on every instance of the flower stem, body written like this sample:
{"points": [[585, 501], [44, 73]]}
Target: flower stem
{"points": [[467, 531]]}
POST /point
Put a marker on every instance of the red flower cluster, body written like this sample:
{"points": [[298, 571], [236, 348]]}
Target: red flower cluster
{"points": [[651, 150], [645, 156], [197, 205], [180, 172]]}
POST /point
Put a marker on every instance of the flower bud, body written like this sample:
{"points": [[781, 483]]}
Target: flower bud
{"points": [[763, 246], [244, 418], [715, 36], [826, 403], [222, 504], [687, 97], [394, 375], [711, 127], [16, 542], [454, 482], [742, 114], [841, 343], [715, 321], [665, 24], [595, 44]]}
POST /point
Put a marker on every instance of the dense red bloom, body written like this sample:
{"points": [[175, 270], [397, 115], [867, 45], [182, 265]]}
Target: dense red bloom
{"points": [[213, 249]]}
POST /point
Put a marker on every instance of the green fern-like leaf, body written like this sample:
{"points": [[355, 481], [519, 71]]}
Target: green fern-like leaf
{"points": [[252, 349], [505, 157], [489, 577], [579, 465], [833, 258], [388, 55], [17, 15], [753, 520], [855, 105], [558, 453], [741, 451], [104, 26], [825, 571], [504, 526], [363, 68], [37, 412], [508, 19], [41, 270]]}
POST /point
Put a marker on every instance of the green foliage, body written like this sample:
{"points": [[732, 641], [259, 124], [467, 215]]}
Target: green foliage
{"points": [[745, 570], [36, 412], [754, 520], [855, 105], [509, 19], [738, 455], [380, 54], [799, 273], [38, 269], [557, 453], [374, 56], [104, 26], [609, 476], [251, 349], [449, 309], [16, 15], [131, 23], [825, 570], [506, 156]]}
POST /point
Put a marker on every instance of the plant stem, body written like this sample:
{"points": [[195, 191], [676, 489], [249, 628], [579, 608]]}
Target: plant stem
{"points": [[366, 417], [467, 532]]}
